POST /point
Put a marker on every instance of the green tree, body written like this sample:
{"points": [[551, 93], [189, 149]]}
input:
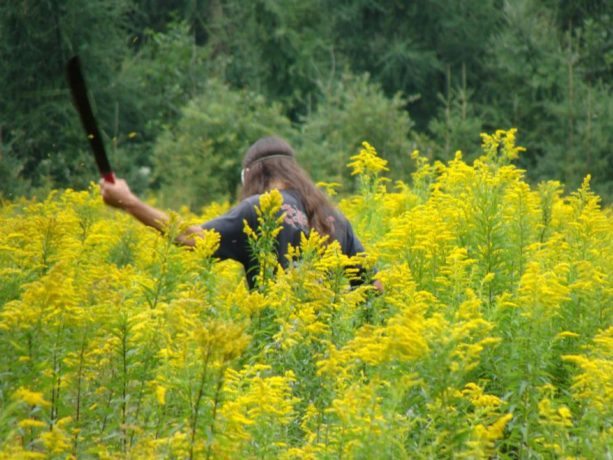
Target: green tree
{"points": [[280, 49], [457, 126], [354, 109], [199, 159], [545, 86], [39, 125], [153, 85], [408, 46], [544, 67]]}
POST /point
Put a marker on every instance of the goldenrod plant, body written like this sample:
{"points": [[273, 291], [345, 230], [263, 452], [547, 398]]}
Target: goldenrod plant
{"points": [[492, 337]]}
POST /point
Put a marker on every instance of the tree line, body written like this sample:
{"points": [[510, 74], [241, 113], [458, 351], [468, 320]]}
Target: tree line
{"points": [[182, 87]]}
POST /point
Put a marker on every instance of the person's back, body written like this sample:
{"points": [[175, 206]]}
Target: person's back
{"points": [[234, 243]]}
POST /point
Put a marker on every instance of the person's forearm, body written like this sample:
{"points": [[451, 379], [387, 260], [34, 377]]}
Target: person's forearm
{"points": [[157, 219], [118, 195], [146, 214]]}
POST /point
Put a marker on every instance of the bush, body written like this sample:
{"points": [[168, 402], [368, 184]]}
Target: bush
{"points": [[353, 109], [199, 159]]}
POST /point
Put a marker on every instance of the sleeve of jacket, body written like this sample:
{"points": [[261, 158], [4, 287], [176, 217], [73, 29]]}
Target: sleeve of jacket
{"points": [[234, 244]]}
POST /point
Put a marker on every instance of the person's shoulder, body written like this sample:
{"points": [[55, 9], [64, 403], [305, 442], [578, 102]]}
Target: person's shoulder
{"points": [[339, 217], [244, 208], [254, 200], [290, 196], [250, 201], [337, 213]]}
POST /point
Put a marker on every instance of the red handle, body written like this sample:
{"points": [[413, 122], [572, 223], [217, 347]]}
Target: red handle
{"points": [[109, 177]]}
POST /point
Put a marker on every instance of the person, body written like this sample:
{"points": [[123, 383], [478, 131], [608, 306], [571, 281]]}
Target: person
{"points": [[270, 163]]}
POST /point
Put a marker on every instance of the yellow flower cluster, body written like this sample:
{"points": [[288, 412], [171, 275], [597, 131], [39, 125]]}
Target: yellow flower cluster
{"points": [[367, 162], [262, 241], [594, 384], [501, 145]]}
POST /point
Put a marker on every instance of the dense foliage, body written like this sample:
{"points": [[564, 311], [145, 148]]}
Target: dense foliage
{"points": [[434, 72], [492, 339]]}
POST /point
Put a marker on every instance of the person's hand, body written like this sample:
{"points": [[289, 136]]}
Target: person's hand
{"points": [[118, 194]]}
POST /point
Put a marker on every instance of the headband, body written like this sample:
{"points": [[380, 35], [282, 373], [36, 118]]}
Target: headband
{"points": [[274, 155]]}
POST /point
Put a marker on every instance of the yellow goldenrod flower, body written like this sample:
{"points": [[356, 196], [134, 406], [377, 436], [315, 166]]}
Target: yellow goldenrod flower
{"points": [[160, 394], [31, 423], [33, 398], [367, 161]]}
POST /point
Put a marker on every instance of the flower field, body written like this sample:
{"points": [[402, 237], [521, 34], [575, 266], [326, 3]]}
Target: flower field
{"points": [[492, 339]]}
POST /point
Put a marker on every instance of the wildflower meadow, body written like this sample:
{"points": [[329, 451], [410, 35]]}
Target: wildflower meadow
{"points": [[492, 337]]}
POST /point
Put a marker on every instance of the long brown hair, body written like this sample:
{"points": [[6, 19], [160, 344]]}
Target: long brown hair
{"points": [[272, 159]]}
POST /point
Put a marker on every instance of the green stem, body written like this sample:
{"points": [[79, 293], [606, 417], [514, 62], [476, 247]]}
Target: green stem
{"points": [[140, 396], [196, 408], [78, 401], [215, 406], [57, 378], [108, 405], [124, 386]]}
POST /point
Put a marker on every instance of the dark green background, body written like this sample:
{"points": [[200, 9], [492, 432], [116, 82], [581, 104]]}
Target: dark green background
{"points": [[182, 87]]}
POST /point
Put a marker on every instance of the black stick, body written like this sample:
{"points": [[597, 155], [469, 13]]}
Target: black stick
{"points": [[81, 101]]}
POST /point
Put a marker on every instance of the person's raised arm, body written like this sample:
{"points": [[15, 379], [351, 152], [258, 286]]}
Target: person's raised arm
{"points": [[119, 195]]}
